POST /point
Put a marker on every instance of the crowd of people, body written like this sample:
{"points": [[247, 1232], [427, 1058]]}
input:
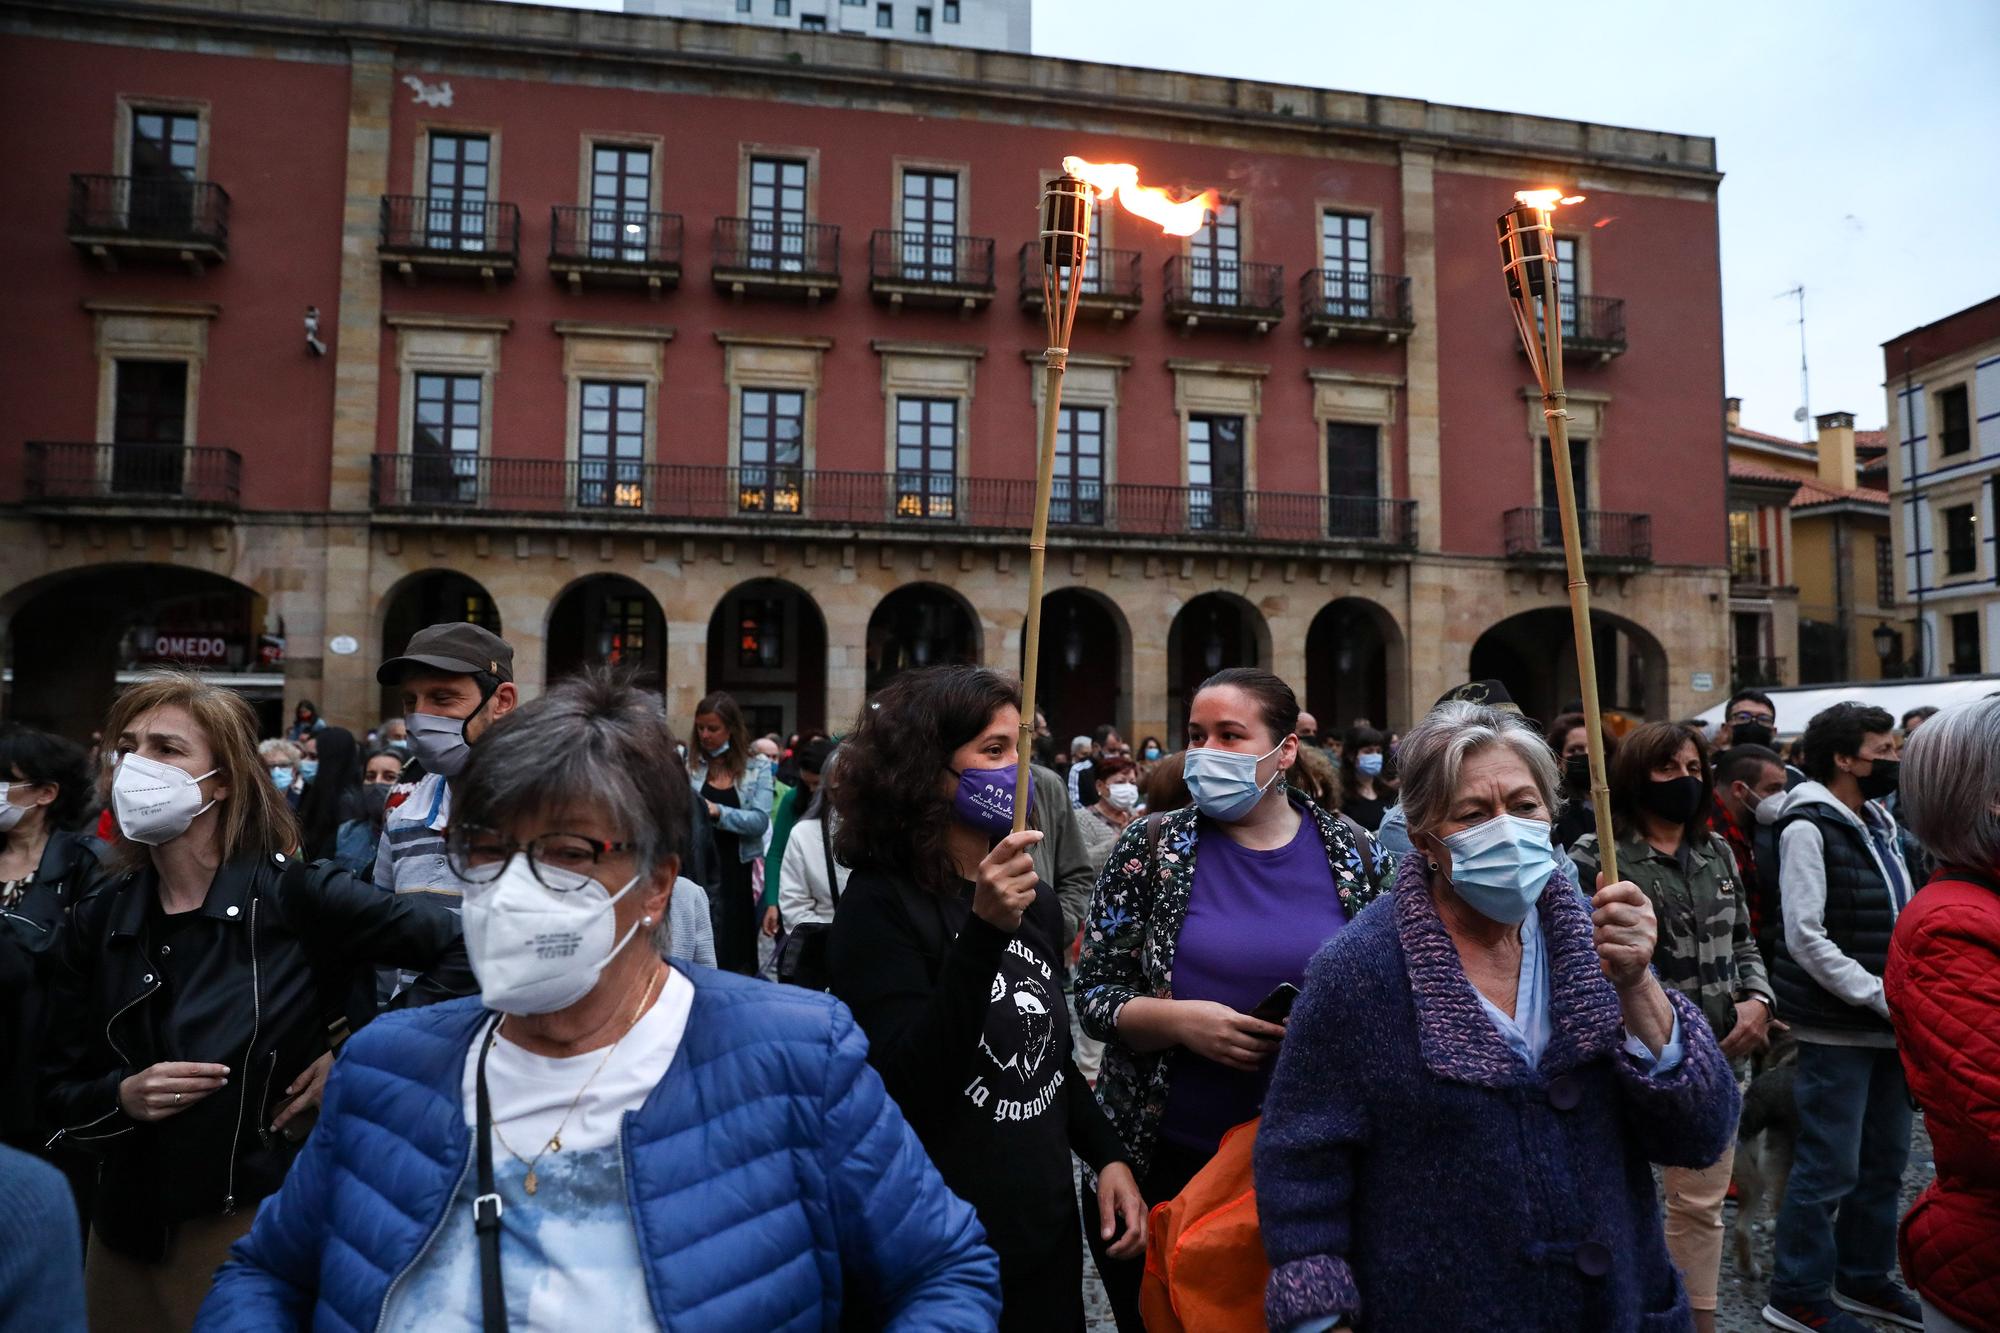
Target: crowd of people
{"points": [[541, 1014]]}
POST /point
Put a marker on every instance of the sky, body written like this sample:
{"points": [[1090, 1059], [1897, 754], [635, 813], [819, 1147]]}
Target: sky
{"points": [[1859, 140]]}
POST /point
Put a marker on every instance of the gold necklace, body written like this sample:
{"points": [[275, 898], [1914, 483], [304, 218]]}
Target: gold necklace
{"points": [[554, 1143]]}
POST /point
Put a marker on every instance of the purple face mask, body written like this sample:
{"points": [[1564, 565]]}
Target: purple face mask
{"points": [[985, 799]]}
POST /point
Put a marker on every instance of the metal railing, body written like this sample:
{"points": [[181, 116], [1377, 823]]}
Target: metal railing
{"points": [[169, 474], [781, 249], [1593, 323], [1108, 275], [1753, 565], [614, 236], [931, 259], [148, 208], [1607, 535], [1341, 296], [1756, 672], [1230, 287], [630, 489], [444, 225]]}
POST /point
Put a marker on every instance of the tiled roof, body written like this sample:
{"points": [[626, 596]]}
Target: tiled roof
{"points": [[1761, 438], [1752, 472], [1813, 492]]}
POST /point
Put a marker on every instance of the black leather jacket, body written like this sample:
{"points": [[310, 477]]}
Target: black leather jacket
{"points": [[31, 938], [266, 976]]}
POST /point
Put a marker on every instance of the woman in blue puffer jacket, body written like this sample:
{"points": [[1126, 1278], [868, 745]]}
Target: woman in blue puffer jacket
{"points": [[667, 1146]]}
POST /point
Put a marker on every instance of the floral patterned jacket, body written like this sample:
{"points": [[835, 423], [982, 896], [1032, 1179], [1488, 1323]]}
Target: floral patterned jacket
{"points": [[1132, 931]]}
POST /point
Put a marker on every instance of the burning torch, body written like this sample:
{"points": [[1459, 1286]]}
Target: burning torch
{"points": [[1068, 203], [1528, 260]]}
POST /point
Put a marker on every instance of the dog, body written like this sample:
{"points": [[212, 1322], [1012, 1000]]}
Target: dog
{"points": [[1765, 1140]]}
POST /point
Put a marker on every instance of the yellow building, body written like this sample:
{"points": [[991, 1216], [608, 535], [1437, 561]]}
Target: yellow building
{"points": [[1811, 554]]}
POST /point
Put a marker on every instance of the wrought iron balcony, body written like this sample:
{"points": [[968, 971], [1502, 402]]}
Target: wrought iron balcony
{"points": [[1749, 673], [1752, 566], [931, 268], [1110, 283], [143, 476], [1593, 326], [1231, 294], [768, 257], [113, 218], [450, 236], [602, 490], [615, 247], [1355, 306], [1535, 534]]}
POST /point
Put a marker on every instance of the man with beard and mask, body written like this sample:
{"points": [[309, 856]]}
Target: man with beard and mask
{"points": [[1660, 800], [1842, 883], [1746, 776], [456, 681]]}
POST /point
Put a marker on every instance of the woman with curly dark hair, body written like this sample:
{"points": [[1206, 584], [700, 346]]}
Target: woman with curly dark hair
{"points": [[948, 948]]}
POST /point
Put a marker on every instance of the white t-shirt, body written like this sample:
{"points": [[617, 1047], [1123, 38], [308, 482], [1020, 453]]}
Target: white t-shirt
{"points": [[568, 1253]]}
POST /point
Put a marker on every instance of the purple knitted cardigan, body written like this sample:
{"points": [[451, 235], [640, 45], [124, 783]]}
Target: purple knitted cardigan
{"points": [[1414, 1174]]}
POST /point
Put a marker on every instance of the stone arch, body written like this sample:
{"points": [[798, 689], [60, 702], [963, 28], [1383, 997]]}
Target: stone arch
{"points": [[1356, 667], [1085, 674], [1209, 633], [767, 646], [1534, 654], [921, 624], [606, 620]]}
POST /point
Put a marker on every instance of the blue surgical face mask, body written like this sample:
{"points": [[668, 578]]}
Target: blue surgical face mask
{"points": [[1224, 782], [281, 777], [719, 751], [1501, 867], [308, 769], [1368, 765], [1152, 752]]}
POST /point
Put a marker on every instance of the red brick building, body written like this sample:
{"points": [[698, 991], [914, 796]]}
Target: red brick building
{"points": [[708, 349]]}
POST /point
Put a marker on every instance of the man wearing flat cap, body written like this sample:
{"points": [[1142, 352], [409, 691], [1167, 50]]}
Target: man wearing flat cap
{"points": [[456, 681]]}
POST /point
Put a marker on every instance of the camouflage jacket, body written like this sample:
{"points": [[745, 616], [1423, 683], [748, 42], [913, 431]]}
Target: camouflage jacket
{"points": [[1706, 951]]}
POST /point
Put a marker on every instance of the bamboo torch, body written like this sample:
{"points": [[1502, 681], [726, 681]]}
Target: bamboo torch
{"points": [[1068, 205], [1528, 260]]}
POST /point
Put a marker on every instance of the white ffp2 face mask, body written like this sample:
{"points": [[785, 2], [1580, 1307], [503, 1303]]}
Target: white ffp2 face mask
{"points": [[1123, 795], [536, 950], [155, 802]]}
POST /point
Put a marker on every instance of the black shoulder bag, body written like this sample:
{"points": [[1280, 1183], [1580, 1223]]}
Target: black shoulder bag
{"points": [[802, 961], [486, 1205]]}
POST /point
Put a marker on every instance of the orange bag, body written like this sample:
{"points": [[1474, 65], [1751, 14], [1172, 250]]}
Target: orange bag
{"points": [[1205, 1264]]}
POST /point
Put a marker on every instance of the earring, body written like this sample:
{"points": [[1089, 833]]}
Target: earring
{"points": [[645, 921], [1433, 865]]}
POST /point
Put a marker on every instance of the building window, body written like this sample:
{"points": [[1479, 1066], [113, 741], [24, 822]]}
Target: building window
{"points": [[621, 192], [777, 213], [1965, 644], [148, 427], [926, 458], [1078, 496], [930, 225], [1579, 471], [455, 184], [611, 445], [1216, 253], [1566, 283], [760, 633], [621, 633], [951, 11], [1344, 255], [923, 20], [165, 144], [444, 439], [885, 16], [781, 8], [743, 6], [1215, 473], [812, 23], [1353, 480], [770, 451], [1961, 540], [1954, 421], [1885, 572]]}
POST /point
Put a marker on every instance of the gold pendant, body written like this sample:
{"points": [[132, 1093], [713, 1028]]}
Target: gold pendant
{"points": [[531, 1182], [555, 1143]]}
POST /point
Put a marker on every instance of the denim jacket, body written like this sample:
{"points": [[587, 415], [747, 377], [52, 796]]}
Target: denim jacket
{"points": [[753, 793]]}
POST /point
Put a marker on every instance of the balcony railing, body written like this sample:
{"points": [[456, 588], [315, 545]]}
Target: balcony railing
{"points": [[131, 474], [615, 245], [928, 267], [130, 216], [444, 233], [1536, 533], [613, 489], [1200, 290], [1753, 566], [1594, 325], [770, 256], [1111, 286], [1746, 673], [1342, 304]]}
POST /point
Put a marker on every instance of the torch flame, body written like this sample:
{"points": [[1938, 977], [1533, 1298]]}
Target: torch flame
{"points": [[1545, 200], [1181, 217]]}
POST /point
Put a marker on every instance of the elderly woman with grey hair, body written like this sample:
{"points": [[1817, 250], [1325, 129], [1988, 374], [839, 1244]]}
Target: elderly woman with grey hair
{"points": [[1943, 986], [1477, 1075], [603, 1139]]}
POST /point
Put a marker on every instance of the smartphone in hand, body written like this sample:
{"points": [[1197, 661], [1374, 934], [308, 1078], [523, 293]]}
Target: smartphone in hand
{"points": [[1277, 1006]]}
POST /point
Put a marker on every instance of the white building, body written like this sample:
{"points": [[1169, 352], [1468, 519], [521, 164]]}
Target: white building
{"points": [[993, 25]]}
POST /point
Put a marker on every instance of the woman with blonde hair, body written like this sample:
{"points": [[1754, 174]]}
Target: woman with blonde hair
{"points": [[207, 980]]}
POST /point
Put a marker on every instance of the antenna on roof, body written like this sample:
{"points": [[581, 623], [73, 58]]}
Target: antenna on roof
{"points": [[1804, 414]]}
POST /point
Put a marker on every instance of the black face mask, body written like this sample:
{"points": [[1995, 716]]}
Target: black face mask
{"points": [[1576, 775], [1751, 733], [1881, 779], [1674, 800]]}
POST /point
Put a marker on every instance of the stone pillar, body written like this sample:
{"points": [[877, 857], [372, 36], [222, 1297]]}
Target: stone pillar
{"points": [[1150, 615], [1420, 354], [348, 681]]}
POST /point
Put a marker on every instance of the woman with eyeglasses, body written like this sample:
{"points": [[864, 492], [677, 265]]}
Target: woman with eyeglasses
{"points": [[206, 980], [603, 1139]]}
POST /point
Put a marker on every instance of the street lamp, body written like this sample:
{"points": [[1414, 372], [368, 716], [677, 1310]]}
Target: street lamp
{"points": [[1888, 647]]}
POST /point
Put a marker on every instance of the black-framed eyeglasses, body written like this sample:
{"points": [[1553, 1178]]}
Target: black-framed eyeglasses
{"points": [[1752, 717], [478, 855]]}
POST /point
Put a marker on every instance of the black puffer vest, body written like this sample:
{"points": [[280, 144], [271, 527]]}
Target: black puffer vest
{"points": [[1860, 918]]}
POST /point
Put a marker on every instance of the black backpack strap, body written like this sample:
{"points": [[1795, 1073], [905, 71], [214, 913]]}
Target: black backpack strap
{"points": [[486, 1208]]}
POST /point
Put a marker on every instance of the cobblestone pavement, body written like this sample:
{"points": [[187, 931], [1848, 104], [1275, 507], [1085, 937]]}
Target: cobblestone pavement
{"points": [[1740, 1298]]}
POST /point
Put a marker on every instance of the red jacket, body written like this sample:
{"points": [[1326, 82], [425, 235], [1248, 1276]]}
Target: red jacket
{"points": [[1943, 985]]}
